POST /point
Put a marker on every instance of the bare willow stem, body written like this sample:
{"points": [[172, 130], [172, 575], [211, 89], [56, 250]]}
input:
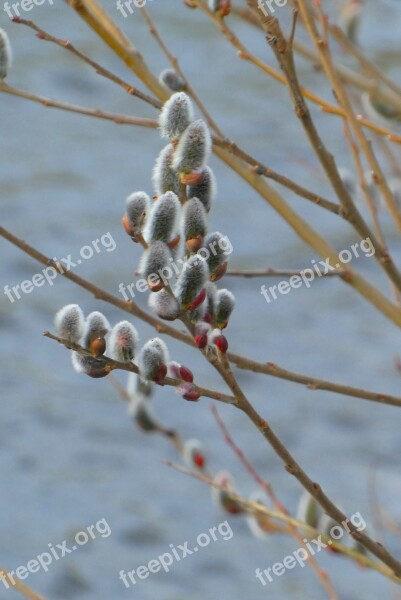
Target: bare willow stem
{"points": [[268, 488], [17, 585], [261, 509], [47, 37], [245, 54], [90, 112], [177, 68], [241, 362], [284, 54], [325, 56]]}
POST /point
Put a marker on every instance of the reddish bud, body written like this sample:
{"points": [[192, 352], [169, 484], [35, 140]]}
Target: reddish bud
{"points": [[220, 272], [160, 374], [221, 343], [194, 244], [201, 340], [174, 242], [199, 460], [186, 374], [200, 298]]}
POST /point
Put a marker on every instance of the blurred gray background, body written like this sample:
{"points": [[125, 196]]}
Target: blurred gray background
{"points": [[69, 452]]}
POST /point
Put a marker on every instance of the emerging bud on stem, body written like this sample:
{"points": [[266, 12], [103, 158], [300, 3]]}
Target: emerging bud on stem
{"points": [[194, 454], [192, 151], [123, 341], [171, 80], [217, 246], [5, 54], [165, 305], [194, 222], [205, 190], [153, 261], [70, 323], [93, 367], [224, 307], [175, 116], [136, 211], [97, 326], [153, 360], [162, 222], [165, 179], [188, 392], [191, 281]]}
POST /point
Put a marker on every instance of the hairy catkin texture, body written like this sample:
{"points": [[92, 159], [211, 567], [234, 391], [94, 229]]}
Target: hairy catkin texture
{"points": [[163, 218], [217, 246], [154, 260], [5, 54], [165, 179], [123, 342], [205, 190], [194, 219], [225, 303], [70, 323], [175, 116], [137, 208], [96, 327], [94, 367], [193, 149], [171, 80], [164, 305], [152, 356], [191, 280]]}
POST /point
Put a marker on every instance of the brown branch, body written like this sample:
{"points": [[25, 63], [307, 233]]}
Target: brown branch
{"points": [[253, 273], [261, 509], [114, 365], [90, 112], [285, 58], [241, 362], [20, 587], [47, 37]]}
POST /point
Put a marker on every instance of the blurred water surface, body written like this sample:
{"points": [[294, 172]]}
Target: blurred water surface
{"points": [[69, 454]]}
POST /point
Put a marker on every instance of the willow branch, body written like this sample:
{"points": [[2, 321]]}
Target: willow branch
{"points": [[20, 587], [114, 365], [241, 362], [89, 112], [256, 508], [66, 45], [253, 273], [325, 56]]}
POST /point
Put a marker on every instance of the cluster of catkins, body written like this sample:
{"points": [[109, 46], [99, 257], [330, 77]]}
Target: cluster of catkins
{"points": [[119, 343], [173, 230], [182, 261]]}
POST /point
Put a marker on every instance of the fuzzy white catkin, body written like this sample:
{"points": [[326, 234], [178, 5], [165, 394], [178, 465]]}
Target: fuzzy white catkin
{"points": [[193, 148], [154, 259], [191, 280], [96, 326], [162, 222], [205, 190], [194, 219], [70, 323], [5, 54], [164, 305], [123, 341], [165, 179], [224, 306], [175, 116], [171, 80], [153, 354], [137, 207]]}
